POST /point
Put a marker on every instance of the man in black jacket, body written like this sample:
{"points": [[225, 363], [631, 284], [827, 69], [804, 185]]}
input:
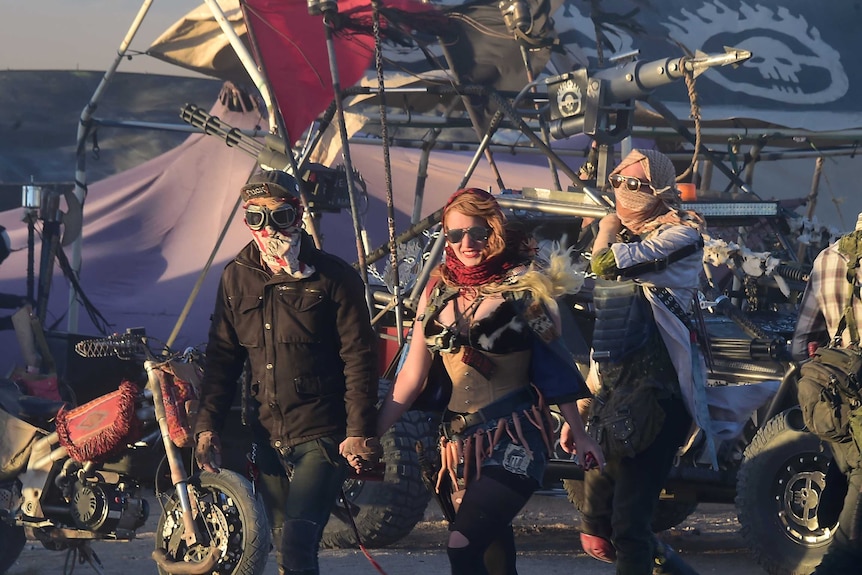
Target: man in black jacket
{"points": [[299, 317]]}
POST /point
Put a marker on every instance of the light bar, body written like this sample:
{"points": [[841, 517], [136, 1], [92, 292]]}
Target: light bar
{"points": [[733, 209]]}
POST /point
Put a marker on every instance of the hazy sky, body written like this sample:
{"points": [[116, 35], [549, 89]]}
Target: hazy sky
{"points": [[83, 34]]}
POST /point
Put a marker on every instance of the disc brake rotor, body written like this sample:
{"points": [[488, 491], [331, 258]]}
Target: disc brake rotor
{"points": [[218, 524]]}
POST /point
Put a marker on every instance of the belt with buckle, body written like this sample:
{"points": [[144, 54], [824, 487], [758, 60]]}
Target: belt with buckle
{"points": [[456, 423]]}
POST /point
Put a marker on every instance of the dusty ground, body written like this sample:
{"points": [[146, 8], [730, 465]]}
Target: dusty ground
{"points": [[546, 533]]}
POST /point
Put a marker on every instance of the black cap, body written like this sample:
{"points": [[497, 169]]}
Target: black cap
{"points": [[270, 184]]}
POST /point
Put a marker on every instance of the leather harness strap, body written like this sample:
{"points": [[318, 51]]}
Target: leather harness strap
{"points": [[661, 264]]}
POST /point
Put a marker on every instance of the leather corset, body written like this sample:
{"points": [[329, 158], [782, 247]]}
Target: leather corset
{"points": [[471, 391]]}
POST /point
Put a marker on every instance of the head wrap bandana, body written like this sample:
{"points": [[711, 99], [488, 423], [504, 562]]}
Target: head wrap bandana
{"points": [[651, 207]]}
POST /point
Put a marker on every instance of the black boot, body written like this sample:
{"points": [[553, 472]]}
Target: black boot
{"points": [[668, 562]]}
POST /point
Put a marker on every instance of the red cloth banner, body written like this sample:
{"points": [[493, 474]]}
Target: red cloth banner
{"points": [[292, 46]]}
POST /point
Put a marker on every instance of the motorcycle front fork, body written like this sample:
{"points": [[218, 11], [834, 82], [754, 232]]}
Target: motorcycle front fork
{"points": [[179, 476]]}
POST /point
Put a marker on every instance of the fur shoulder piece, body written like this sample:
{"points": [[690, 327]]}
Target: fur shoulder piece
{"points": [[551, 275]]}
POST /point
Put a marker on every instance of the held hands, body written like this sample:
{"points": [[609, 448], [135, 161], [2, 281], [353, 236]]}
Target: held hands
{"points": [[361, 453], [583, 444], [208, 451]]}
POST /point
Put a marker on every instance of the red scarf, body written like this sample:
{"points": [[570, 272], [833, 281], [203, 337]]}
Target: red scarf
{"points": [[489, 270]]}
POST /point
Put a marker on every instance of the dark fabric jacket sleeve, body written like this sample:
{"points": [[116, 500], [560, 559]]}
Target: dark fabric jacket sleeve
{"points": [[225, 358], [358, 350]]}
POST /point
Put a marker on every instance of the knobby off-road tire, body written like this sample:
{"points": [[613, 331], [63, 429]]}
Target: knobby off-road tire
{"points": [[231, 518], [386, 511], [12, 541], [667, 514], [778, 489]]}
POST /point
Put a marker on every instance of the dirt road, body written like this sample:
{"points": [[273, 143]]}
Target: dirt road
{"points": [[547, 540]]}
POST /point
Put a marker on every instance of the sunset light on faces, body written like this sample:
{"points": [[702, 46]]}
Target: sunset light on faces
{"points": [[468, 250], [270, 213], [635, 170]]}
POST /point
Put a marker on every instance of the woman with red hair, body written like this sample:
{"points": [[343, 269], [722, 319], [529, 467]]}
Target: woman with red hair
{"points": [[491, 318]]}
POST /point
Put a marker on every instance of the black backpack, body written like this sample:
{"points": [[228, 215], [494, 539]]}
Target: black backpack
{"points": [[829, 388]]}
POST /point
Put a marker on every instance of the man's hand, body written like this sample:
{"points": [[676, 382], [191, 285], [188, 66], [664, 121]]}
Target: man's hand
{"points": [[208, 451], [361, 452]]}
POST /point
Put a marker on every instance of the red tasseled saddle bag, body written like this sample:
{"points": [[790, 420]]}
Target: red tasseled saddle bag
{"points": [[102, 427]]}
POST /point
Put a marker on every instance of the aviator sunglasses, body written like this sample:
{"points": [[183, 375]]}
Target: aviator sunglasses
{"points": [[257, 217], [632, 183], [476, 233]]}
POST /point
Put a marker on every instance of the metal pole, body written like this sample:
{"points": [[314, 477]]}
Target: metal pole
{"points": [[277, 126], [245, 58], [504, 107], [543, 125], [328, 22], [84, 125], [812, 203], [659, 107], [199, 283], [387, 170], [471, 112], [428, 144]]}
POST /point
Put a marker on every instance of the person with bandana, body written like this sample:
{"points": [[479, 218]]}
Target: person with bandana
{"points": [[298, 316], [490, 316], [646, 365]]}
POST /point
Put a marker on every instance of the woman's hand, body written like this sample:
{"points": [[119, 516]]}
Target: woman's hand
{"points": [[582, 444]]}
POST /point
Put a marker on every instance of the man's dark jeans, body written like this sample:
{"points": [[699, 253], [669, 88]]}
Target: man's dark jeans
{"points": [[619, 502], [299, 508]]}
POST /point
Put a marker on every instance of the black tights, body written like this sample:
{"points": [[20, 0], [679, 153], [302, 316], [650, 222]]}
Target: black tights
{"points": [[485, 519]]}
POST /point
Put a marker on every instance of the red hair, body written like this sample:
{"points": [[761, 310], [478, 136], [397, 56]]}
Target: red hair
{"points": [[475, 202]]}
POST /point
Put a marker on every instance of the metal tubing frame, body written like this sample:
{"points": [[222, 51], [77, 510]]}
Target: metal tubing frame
{"points": [[84, 125], [348, 163]]}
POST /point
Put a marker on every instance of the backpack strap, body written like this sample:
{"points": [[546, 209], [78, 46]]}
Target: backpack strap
{"points": [[660, 264], [850, 245], [670, 303], [437, 295]]}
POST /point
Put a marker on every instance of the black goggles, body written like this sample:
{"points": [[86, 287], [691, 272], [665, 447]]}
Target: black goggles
{"points": [[476, 233], [258, 217], [632, 183]]}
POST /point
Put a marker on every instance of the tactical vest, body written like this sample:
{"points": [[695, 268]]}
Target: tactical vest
{"points": [[624, 320]]}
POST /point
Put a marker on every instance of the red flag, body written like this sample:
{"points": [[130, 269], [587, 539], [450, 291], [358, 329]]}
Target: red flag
{"points": [[292, 47]]}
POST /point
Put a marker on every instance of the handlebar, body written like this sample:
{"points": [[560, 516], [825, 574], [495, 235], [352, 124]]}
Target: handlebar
{"points": [[123, 346]]}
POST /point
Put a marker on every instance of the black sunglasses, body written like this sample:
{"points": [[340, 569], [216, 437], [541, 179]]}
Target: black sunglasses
{"points": [[632, 183], [476, 233], [257, 217]]}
